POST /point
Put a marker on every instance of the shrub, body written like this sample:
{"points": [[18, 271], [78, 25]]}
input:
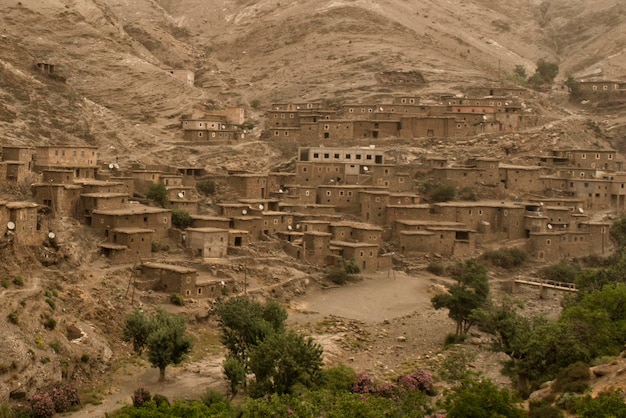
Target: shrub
{"points": [[18, 281], [64, 397], [421, 380], [5, 283], [39, 342], [443, 193], [467, 193], [158, 193], [206, 186], [141, 395], [544, 410], [50, 324], [572, 379], [364, 384], [85, 358], [454, 339], [42, 405], [211, 396], [51, 303], [160, 400], [177, 299], [13, 318], [181, 219], [56, 346], [338, 276], [506, 257], [436, 268], [255, 104], [351, 267], [339, 378], [563, 271]]}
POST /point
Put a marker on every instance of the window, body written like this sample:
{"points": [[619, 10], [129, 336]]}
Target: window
{"points": [[597, 156], [348, 156], [328, 193], [583, 156], [316, 155], [326, 155], [605, 87], [548, 242], [337, 156], [291, 115]]}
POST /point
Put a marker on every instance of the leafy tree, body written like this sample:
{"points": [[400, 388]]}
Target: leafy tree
{"points": [[443, 193], [181, 219], [618, 231], [481, 399], [606, 405], [137, 328], [158, 193], [164, 335], [168, 343], [283, 360], [469, 293], [206, 186], [235, 373], [245, 323], [547, 70], [520, 72]]}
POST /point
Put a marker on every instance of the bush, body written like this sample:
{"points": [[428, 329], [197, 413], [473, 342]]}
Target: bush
{"points": [[181, 219], [364, 384], [339, 378], [64, 397], [544, 410], [13, 318], [206, 186], [141, 395], [443, 193], [454, 339], [158, 193], [42, 405], [563, 271], [338, 276], [5, 283], [160, 400], [572, 379], [506, 257], [18, 281], [177, 299], [211, 396], [51, 303], [50, 324], [56, 346], [467, 193], [421, 380], [436, 268], [255, 104], [85, 358], [351, 267]]}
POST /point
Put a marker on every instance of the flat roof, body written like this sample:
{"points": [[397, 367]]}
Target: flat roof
{"points": [[133, 230], [210, 218], [357, 225], [132, 210], [412, 222], [104, 195], [207, 229], [353, 244], [21, 205], [170, 267]]}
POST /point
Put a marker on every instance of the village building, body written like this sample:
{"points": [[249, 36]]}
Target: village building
{"points": [[207, 242], [170, 278], [21, 223], [186, 76], [15, 164], [134, 215], [364, 255], [128, 245], [83, 160], [63, 199]]}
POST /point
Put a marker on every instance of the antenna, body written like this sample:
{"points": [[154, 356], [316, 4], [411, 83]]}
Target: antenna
{"points": [[11, 226], [244, 212], [261, 207], [51, 235]]}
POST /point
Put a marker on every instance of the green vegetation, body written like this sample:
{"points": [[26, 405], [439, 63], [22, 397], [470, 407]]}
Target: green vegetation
{"points": [[339, 274], [177, 299], [181, 219], [478, 399], [13, 318], [506, 258], [157, 192], [18, 281], [437, 268], [563, 271], [442, 193], [470, 293], [50, 324], [164, 335], [206, 187], [255, 104]]}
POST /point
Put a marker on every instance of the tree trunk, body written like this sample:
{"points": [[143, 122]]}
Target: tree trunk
{"points": [[161, 374]]}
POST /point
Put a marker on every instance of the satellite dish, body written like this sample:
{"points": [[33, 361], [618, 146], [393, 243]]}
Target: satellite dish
{"points": [[111, 166], [580, 210], [380, 108], [223, 126], [289, 227], [116, 166], [549, 226], [365, 168], [11, 226], [484, 117], [244, 212], [261, 207], [280, 191], [181, 194], [51, 235]]}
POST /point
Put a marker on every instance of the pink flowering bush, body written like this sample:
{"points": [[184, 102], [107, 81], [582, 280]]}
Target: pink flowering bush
{"points": [[420, 380], [64, 397], [364, 384], [141, 395], [387, 390], [42, 405]]}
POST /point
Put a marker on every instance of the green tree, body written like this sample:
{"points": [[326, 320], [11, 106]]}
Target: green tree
{"points": [[168, 343], [181, 219], [137, 328], [520, 72], [618, 231], [470, 292], [283, 360], [158, 193], [235, 373], [606, 405], [206, 186], [443, 193], [481, 399]]}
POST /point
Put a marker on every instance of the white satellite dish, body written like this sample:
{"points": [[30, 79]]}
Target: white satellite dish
{"points": [[289, 227], [51, 235], [244, 212], [223, 126], [549, 226], [365, 168], [111, 166], [181, 194], [261, 207], [580, 210], [380, 108], [11, 226], [116, 166], [280, 191]]}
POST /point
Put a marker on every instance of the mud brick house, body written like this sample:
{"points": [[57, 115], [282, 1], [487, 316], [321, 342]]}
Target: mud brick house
{"points": [[23, 228], [82, 159], [133, 216], [211, 128], [257, 206], [252, 224], [230, 210], [208, 242], [128, 183], [238, 238], [499, 91], [431, 126], [597, 88], [295, 195], [16, 163], [321, 165], [63, 199], [356, 232], [248, 186], [274, 222], [364, 255], [600, 159], [523, 179], [186, 76], [277, 183], [100, 186], [316, 248], [171, 279], [450, 239], [206, 221], [128, 245], [90, 202], [345, 198], [143, 179]]}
